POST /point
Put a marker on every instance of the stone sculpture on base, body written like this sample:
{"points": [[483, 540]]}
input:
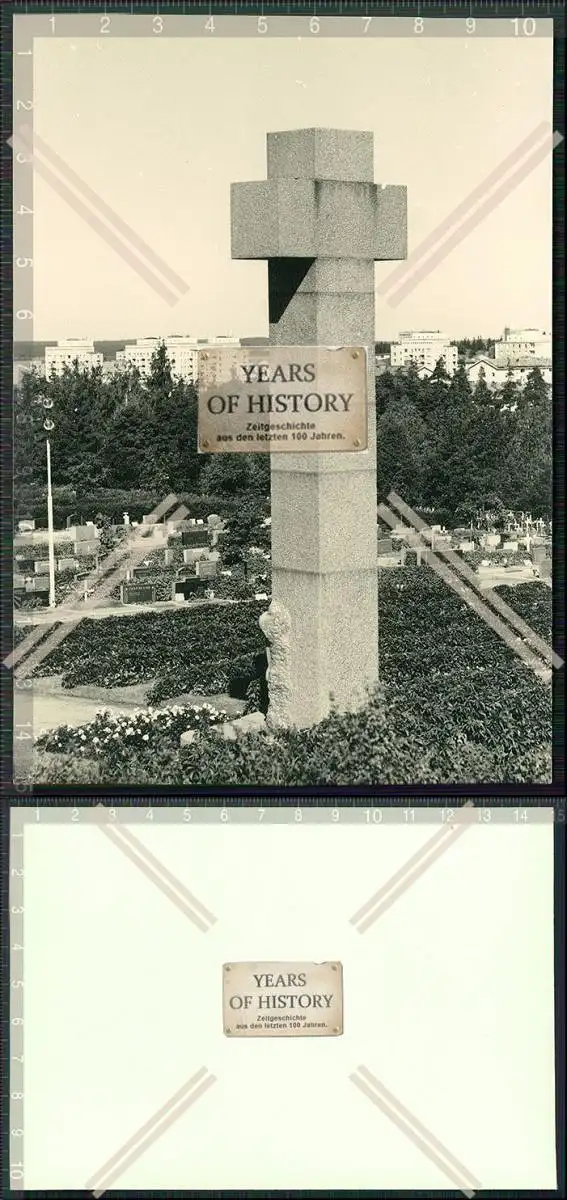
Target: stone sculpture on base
{"points": [[275, 624]]}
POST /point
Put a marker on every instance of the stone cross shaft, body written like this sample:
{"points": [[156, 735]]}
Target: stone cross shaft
{"points": [[321, 222]]}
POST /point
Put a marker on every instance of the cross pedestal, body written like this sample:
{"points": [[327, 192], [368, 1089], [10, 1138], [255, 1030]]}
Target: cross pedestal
{"points": [[321, 222]]}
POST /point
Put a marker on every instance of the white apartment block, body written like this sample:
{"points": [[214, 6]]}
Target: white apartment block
{"points": [[497, 373], [182, 352], [521, 344], [70, 351], [424, 348]]}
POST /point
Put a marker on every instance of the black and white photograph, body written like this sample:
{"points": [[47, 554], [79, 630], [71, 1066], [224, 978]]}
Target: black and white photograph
{"points": [[282, 390]]}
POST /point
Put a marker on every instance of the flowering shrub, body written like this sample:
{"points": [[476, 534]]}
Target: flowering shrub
{"points": [[115, 735]]}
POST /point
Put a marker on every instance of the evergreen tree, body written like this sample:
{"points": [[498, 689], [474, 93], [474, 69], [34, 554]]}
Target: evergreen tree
{"points": [[402, 450], [509, 395], [29, 435], [460, 390], [483, 397]]}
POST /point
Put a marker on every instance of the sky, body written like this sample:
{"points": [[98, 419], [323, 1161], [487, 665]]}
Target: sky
{"points": [[160, 128]]}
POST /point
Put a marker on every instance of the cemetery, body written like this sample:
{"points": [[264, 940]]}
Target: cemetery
{"points": [[375, 671]]}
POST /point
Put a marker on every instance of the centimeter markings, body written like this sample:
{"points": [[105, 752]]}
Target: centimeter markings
{"points": [[23, 206], [290, 814], [16, 1041], [444, 21]]}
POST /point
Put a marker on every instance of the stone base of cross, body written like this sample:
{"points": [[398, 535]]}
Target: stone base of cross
{"points": [[321, 222]]}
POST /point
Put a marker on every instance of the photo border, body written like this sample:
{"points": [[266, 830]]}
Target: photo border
{"points": [[348, 10]]}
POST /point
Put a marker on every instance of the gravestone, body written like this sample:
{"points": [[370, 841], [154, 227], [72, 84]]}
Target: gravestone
{"points": [[39, 584], [19, 583], [195, 537], [143, 573], [85, 533], [65, 564], [41, 566], [26, 526], [385, 545], [189, 587], [321, 222], [192, 554], [26, 565], [206, 569], [513, 545], [84, 547], [131, 593]]}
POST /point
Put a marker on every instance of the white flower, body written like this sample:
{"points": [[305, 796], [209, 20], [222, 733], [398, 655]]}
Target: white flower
{"points": [[145, 737]]}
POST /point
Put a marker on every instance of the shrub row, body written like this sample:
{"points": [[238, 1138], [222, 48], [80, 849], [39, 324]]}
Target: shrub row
{"points": [[182, 645], [32, 505]]}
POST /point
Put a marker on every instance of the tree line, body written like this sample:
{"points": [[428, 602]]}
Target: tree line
{"points": [[441, 444]]}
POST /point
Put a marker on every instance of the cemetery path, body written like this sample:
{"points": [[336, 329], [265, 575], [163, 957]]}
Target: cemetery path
{"points": [[54, 710], [51, 705], [46, 616]]}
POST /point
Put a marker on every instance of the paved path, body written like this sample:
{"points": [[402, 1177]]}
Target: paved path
{"points": [[47, 616], [47, 712]]}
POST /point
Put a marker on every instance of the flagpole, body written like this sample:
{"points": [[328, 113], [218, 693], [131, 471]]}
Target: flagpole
{"points": [[50, 533], [48, 426]]}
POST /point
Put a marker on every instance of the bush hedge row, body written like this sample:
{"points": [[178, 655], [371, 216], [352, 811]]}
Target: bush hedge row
{"points": [[31, 504]]}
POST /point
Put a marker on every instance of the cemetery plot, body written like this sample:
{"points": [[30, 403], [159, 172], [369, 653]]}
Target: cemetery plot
{"points": [[186, 646]]}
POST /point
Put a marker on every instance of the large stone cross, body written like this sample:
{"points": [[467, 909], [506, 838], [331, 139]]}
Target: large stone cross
{"points": [[321, 222]]}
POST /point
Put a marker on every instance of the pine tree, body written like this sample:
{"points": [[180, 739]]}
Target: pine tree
{"points": [[483, 397]]}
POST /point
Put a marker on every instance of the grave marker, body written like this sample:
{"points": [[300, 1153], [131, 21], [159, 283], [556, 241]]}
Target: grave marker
{"points": [[85, 548], [131, 593], [321, 222], [206, 569], [192, 555], [195, 537]]}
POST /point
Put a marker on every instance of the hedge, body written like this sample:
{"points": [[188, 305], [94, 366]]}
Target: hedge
{"points": [[32, 505], [187, 647]]}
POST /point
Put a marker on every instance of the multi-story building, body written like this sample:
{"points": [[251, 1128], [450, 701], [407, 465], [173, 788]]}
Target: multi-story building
{"points": [[70, 351], [424, 348], [182, 352], [497, 373], [521, 344]]}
